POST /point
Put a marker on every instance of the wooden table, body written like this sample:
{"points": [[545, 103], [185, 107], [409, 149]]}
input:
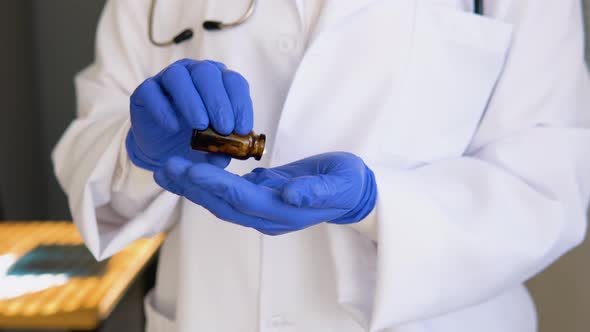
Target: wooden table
{"points": [[68, 288]]}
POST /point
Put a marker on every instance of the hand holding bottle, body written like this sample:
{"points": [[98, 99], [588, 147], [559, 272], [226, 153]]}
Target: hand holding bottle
{"points": [[187, 95]]}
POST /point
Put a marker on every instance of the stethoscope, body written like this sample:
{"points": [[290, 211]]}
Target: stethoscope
{"points": [[187, 34]]}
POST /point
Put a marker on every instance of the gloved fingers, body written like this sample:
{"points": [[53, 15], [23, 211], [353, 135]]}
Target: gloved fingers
{"points": [[194, 156], [173, 177], [170, 176], [218, 207], [218, 160], [267, 177], [230, 187], [163, 180], [331, 163], [255, 200], [238, 91], [174, 171], [324, 191], [176, 168], [177, 82], [217, 64], [302, 167], [272, 228], [208, 81], [224, 211], [149, 99], [186, 62]]}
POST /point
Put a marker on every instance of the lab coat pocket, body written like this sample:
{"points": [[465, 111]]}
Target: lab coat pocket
{"points": [[455, 61], [156, 321]]}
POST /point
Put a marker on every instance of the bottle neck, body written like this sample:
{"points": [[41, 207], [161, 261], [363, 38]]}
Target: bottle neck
{"points": [[258, 146]]}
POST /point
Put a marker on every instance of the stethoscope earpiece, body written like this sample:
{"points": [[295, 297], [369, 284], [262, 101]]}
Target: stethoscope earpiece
{"points": [[212, 25], [184, 35]]}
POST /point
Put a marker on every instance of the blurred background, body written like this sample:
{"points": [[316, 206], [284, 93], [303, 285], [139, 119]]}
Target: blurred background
{"points": [[44, 44]]}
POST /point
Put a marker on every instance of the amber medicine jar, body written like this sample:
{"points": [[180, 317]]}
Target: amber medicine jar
{"points": [[233, 145]]}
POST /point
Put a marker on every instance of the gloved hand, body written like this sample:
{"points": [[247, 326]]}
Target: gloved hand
{"points": [[188, 94], [332, 187]]}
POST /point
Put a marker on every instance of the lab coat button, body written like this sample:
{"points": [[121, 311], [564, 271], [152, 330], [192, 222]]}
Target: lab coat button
{"points": [[286, 43], [279, 321]]}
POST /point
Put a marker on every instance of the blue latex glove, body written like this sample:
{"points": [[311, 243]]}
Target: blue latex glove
{"points": [[333, 187], [188, 94]]}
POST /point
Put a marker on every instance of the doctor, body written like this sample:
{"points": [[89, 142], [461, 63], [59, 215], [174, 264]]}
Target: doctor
{"points": [[422, 161]]}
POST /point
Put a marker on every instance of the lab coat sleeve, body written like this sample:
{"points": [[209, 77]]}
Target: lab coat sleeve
{"points": [[457, 232], [112, 201]]}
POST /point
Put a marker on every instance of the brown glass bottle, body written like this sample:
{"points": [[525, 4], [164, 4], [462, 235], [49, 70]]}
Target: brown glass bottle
{"points": [[233, 145]]}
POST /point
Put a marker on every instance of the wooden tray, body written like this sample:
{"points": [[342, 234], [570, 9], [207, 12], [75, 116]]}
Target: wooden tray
{"points": [[68, 288]]}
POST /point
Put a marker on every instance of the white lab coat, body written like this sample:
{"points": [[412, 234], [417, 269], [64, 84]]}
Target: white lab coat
{"points": [[475, 127]]}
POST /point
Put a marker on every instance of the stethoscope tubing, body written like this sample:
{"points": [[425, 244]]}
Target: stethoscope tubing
{"points": [[209, 25]]}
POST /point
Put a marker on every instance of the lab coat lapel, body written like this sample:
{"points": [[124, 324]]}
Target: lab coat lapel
{"points": [[389, 81]]}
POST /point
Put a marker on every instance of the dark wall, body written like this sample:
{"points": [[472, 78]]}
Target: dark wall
{"points": [[20, 168], [64, 34], [587, 23], [48, 42]]}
